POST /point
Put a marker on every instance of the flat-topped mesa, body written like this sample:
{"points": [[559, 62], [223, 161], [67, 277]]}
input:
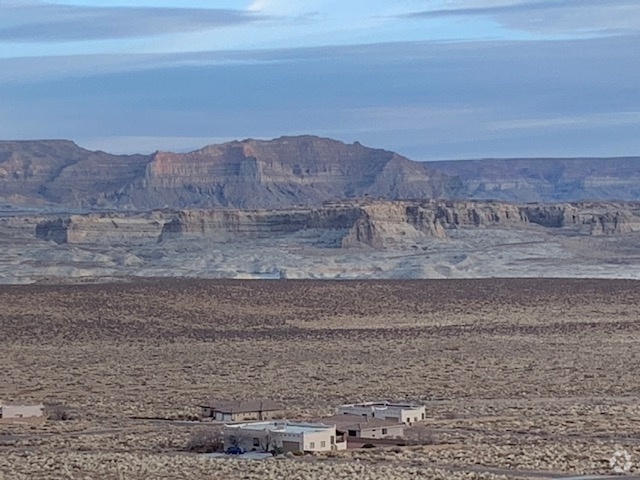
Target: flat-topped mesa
{"points": [[103, 228], [229, 225], [287, 171]]}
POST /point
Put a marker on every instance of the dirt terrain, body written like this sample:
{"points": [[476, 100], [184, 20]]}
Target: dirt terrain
{"points": [[523, 378]]}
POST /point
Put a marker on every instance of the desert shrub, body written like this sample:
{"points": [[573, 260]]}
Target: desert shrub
{"points": [[420, 435], [368, 445], [61, 413], [205, 440]]}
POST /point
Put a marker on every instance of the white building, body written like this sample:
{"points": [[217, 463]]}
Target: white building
{"points": [[17, 412], [406, 413], [287, 436]]}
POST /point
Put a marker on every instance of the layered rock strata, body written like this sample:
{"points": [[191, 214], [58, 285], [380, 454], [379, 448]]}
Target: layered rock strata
{"points": [[376, 224]]}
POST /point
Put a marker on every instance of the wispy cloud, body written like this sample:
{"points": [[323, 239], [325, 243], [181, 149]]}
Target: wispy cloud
{"points": [[589, 120], [45, 22], [548, 16]]}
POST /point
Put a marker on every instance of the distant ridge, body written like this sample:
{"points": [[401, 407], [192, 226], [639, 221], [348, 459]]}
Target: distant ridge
{"points": [[288, 171], [546, 179], [303, 170]]}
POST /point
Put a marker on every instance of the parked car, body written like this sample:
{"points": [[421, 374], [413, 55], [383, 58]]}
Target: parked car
{"points": [[234, 450]]}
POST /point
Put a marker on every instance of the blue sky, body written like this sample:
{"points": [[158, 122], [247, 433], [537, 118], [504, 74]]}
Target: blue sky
{"points": [[431, 79]]}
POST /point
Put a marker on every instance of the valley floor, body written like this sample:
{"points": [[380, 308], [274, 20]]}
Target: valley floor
{"points": [[522, 378]]}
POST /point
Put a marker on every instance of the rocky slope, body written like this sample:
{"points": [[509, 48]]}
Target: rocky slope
{"points": [[59, 172]]}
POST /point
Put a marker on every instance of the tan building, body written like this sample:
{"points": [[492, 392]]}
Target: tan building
{"points": [[17, 411], [241, 411], [284, 436], [358, 426], [407, 413]]}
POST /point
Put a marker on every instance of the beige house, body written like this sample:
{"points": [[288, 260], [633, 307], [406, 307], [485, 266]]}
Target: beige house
{"points": [[284, 436], [241, 411], [358, 426], [10, 411], [407, 413]]}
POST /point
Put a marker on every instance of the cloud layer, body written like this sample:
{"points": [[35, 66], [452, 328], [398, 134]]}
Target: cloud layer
{"points": [[548, 16], [43, 22], [426, 100]]}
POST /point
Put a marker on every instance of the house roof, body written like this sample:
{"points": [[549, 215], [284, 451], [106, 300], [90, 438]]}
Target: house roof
{"points": [[357, 422], [383, 405], [282, 427], [243, 406]]}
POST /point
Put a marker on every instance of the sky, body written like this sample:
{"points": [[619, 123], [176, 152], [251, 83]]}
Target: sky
{"points": [[430, 79]]}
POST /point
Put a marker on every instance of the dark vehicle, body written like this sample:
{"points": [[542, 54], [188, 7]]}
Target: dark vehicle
{"points": [[234, 450]]}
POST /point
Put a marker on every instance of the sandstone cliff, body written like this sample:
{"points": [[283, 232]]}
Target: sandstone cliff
{"points": [[288, 171], [103, 229], [292, 171], [377, 224], [280, 173], [60, 172]]}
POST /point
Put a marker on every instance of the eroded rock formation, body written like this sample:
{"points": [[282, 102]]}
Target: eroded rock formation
{"points": [[377, 224]]}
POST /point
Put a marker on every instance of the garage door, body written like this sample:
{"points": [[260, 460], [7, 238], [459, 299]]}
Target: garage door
{"points": [[290, 446]]}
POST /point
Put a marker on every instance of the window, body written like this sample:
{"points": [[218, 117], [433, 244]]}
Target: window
{"points": [[415, 419], [333, 440], [323, 444], [256, 442], [423, 416], [312, 445], [353, 433], [384, 431]]}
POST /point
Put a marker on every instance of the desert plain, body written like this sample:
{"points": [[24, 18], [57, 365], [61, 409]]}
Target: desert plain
{"points": [[522, 378]]}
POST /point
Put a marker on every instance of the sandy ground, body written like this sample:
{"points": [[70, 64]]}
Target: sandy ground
{"points": [[520, 376]]}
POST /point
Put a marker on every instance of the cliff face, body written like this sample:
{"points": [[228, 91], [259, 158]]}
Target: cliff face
{"points": [[279, 173], [292, 171], [284, 172], [60, 172], [103, 229], [346, 225]]}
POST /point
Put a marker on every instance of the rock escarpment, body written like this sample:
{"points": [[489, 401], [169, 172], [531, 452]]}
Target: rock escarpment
{"points": [[280, 173], [377, 224], [292, 171], [288, 171], [103, 228]]}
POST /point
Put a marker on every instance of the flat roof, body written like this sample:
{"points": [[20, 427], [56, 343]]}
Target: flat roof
{"points": [[382, 404], [244, 406], [357, 422], [281, 426]]}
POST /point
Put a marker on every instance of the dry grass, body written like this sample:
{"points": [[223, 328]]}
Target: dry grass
{"points": [[522, 374]]}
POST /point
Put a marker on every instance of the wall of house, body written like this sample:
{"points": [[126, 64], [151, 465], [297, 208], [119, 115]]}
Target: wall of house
{"points": [[392, 431], [21, 411], [246, 416], [245, 439], [306, 441], [319, 441], [396, 413]]}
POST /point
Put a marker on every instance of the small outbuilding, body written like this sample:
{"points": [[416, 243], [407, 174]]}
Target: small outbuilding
{"points": [[15, 411], [241, 411]]}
